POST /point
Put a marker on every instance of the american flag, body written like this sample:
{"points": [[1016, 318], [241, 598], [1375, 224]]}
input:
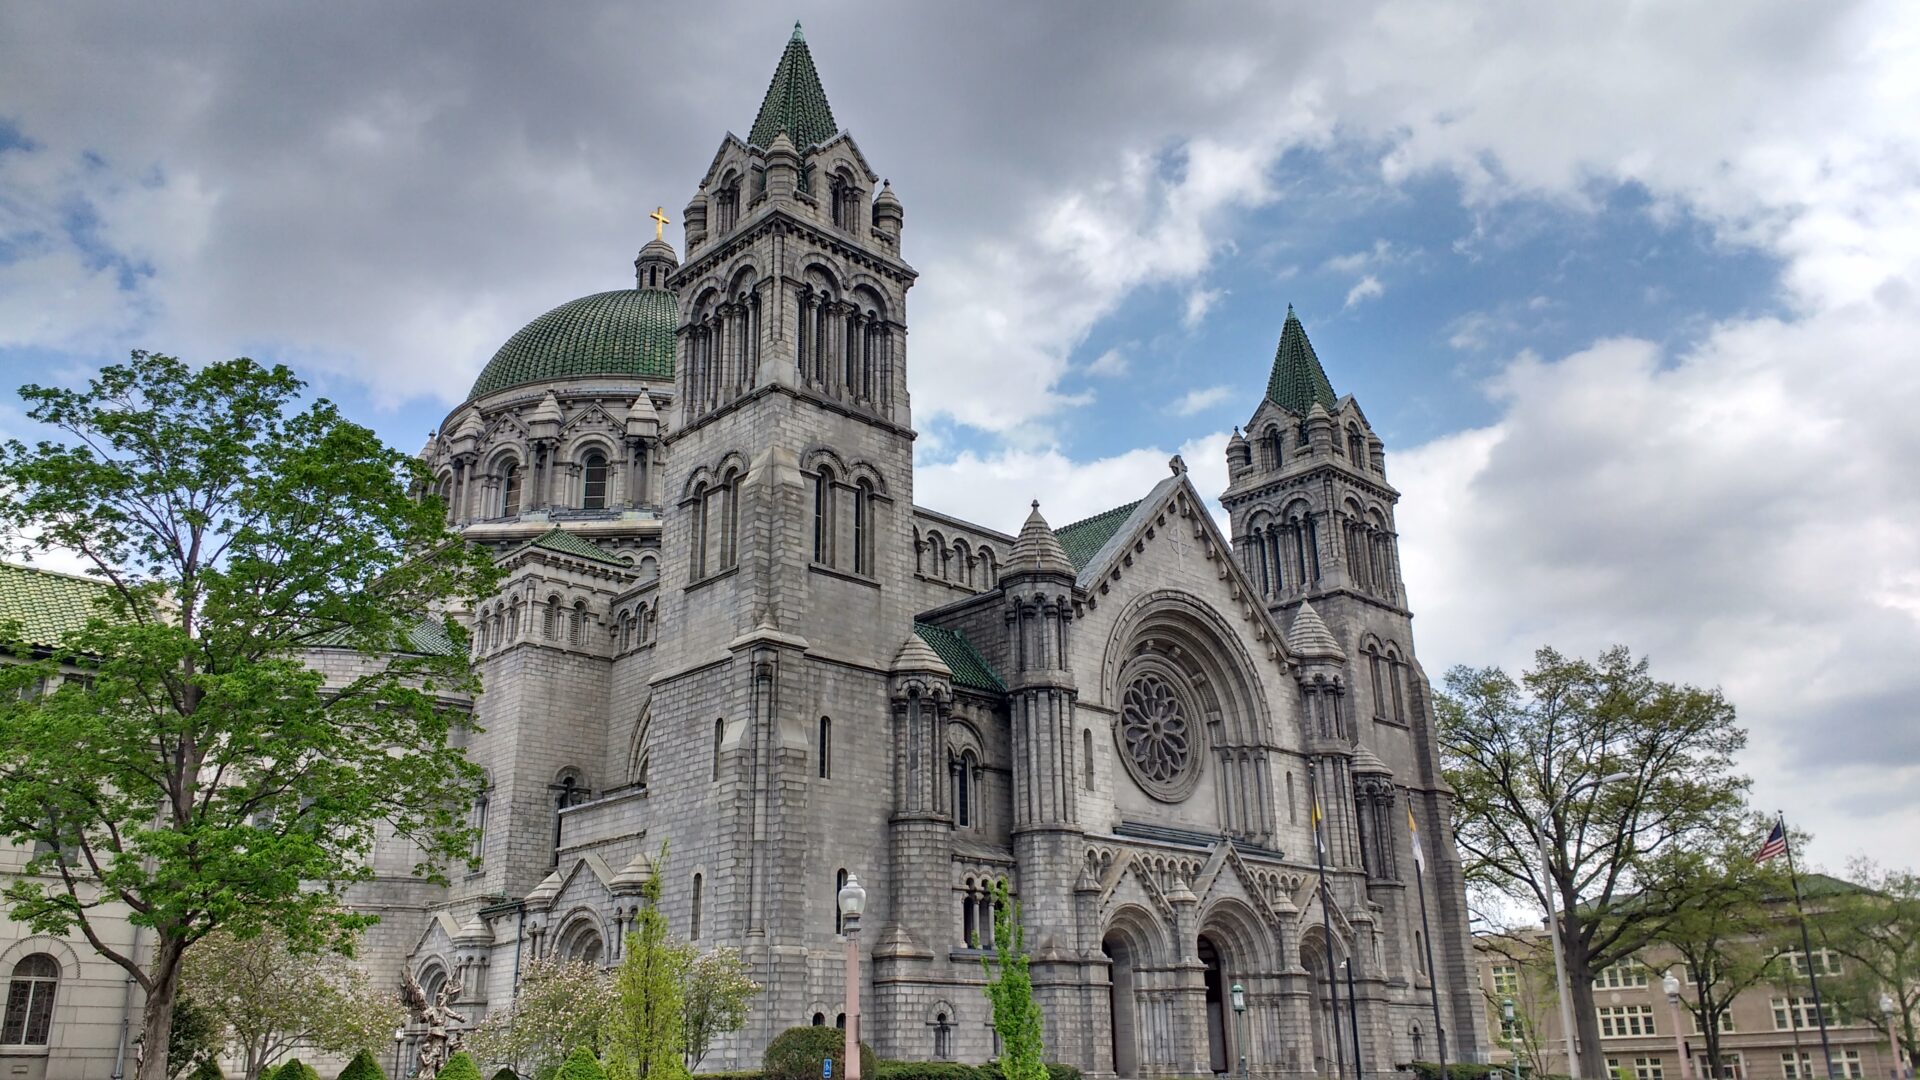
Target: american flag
{"points": [[1776, 843]]}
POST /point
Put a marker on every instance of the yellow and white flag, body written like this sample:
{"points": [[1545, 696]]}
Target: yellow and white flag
{"points": [[1317, 841], [1413, 830]]}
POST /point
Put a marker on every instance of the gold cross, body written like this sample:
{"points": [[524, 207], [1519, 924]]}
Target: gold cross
{"points": [[659, 217]]}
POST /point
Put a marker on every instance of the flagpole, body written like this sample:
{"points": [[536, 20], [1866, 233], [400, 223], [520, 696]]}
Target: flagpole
{"points": [[1806, 947], [1426, 930], [1326, 922]]}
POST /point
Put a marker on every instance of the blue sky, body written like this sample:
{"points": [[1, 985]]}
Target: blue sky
{"points": [[1634, 300]]}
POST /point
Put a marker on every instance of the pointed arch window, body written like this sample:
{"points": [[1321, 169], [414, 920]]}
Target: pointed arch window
{"points": [[593, 488], [510, 489], [30, 994]]}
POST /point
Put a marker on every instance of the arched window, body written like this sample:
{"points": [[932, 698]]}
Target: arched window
{"points": [[593, 488], [576, 622], [969, 917], [29, 1017], [699, 531], [509, 489], [839, 921], [963, 793], [1419, 1043], [1270, 456], [1377, 669], [826, 748], [432, 980], [820, 1018], [719, 737], [1086, 752], [730, 520], [569, 789], [1293, 809], [583, 943], [942, 1038], [553, 618], [862, 527], [477, 821], [693, 922], [1357, 446], [823, 517], [1397, 673]]}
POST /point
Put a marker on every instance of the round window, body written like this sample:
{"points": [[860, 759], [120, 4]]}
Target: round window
{"points": [[1158, 736]]}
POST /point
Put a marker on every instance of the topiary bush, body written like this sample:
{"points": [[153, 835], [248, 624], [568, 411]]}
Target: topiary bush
{"points": [[796, 1053], [581, 1065], [363, 1067], [294, 1069], [506, 1074], [459, 1067]]}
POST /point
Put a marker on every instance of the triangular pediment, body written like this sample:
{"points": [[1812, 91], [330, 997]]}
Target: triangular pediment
{"points": [[1130, 882], [438, 935], [592, 416], [590, 879]]}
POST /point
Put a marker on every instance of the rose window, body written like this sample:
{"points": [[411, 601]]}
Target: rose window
{"points": [[1157, 736]]}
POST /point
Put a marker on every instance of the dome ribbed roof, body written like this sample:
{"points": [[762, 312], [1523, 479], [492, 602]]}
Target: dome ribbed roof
{"points": [[624, 332]]}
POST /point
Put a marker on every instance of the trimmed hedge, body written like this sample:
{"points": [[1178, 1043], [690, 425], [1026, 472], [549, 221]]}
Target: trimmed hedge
{"points": [[506, 1074], [295, 1069], [796, 1053], [459, 1067], [363, 1067], [1460, 1070], [954, 1070], [581, 1065]]}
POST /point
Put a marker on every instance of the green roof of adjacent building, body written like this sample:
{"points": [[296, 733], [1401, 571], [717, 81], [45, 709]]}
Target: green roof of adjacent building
{"points": [[969, 668], [565, 543], [47, 605], [627, 332], [1298, 380], [1083, 539], [795, 102], [425, 636]]}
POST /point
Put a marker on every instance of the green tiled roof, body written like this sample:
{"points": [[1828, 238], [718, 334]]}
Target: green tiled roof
{"points": [[1084, 539], [1298, 380], [624, 332], [969, 668], [427, 637], [48, 606], [566, 543], [795, 103]]}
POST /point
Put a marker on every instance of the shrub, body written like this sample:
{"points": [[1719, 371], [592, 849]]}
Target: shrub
{"points": [[1458, 1070], [506, 1074], [362, 1067], [459, 1067], [795, 1054], [1055, 1071], [737, 1074], [271, 1072], [927, 1070], [206, 1070], [295, 1069], [581, 1065]]}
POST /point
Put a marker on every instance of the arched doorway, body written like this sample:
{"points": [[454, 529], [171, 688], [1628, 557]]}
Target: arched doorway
{"points": [[1126, 1053], [1322, 1019], [1218, 1036]]}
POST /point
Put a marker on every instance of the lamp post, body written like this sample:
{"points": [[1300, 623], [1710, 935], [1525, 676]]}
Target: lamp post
{"points": [[399, 1036], [1513, 1055], [1671, 984], [853, 901], [1239, 995], [1893, 1040], [1553, 917]]}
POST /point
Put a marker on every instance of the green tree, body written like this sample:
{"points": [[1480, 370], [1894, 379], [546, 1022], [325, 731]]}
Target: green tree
{"points": [[195, 1038], [1531, 990], [561, 1006], [1531, 754], [717, 993], [650, 1013], [266, 998], [1016, 1016], [1875, 928], [205, 776]]}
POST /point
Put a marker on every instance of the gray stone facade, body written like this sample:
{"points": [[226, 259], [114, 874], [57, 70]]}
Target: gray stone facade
{"points": [[727, 627]]}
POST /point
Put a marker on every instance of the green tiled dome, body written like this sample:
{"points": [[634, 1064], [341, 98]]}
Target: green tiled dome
{"points": [[624, 332]]}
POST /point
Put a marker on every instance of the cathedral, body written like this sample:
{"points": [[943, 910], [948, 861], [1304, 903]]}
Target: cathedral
{"points": [[728, 627]]}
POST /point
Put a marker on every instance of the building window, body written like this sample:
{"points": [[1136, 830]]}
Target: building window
{"points": [[942, 1038], [719, 736], [1732, 1067], [509, 489], [1621, 975], [477, 821], [963, 790], [594, 489], [1506, 980], [569, 790], [819, 1019], [694, 923], [1086, 752], [1726, 1022], [1644, 1068], [862, 528], [1624, 1020], [1790, 1013], [826, 748], [823, 517], [1825, 961], [1510, 1030], [29, 1017], [839, 882]]}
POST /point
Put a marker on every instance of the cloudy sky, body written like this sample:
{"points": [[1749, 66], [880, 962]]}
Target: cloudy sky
{"points": [[1631, 290]]}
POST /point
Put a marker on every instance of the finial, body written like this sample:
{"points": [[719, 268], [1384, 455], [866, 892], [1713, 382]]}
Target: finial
{"points": [[1177, 465], [797, 35], [1036, 504], [660, 220], [1236, 429], [1290, 310]]}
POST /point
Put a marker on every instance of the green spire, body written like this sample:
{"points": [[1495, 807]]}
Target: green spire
{"points": [[795, 103], [1298, 380]]}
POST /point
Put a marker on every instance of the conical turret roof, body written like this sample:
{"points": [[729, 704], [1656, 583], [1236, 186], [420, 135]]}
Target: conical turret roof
{"points": [[1037, 550], [1298, 380], [795, 102], [1309, 637]]}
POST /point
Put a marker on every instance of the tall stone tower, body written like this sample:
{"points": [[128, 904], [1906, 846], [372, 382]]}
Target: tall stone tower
{"points": [[1313, 528], [786, 500]]}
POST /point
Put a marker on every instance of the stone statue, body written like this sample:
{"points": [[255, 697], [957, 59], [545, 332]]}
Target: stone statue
{"points": [[442, 1038]]}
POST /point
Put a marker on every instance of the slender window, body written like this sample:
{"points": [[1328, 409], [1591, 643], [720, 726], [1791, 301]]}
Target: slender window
{"points": [[942, 1038], [839, 920], [699, 532], [509, 489], [862, 533], [963, 791], [826, 748], [29, 1017], [719, 737], [594, 490], [732, 553], [1086, 753], [694, 922], [478, 824], [823, 517]]}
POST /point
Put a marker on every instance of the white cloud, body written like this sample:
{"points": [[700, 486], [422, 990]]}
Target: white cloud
{"points": [[1367, 288], [994, 489], [1200, 400], [1199, 302], [1110, 364]]}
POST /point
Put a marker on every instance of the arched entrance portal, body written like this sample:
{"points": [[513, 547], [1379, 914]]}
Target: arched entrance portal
{"points": [[1126, 1056], [1217, 1017]]}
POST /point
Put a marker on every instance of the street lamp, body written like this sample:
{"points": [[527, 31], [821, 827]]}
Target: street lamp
{"points": [[1671, 984], [1553, 917], [1513, 1055], [853, 901], [1893, 1041], [1239, 995], [399, 1036]]}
